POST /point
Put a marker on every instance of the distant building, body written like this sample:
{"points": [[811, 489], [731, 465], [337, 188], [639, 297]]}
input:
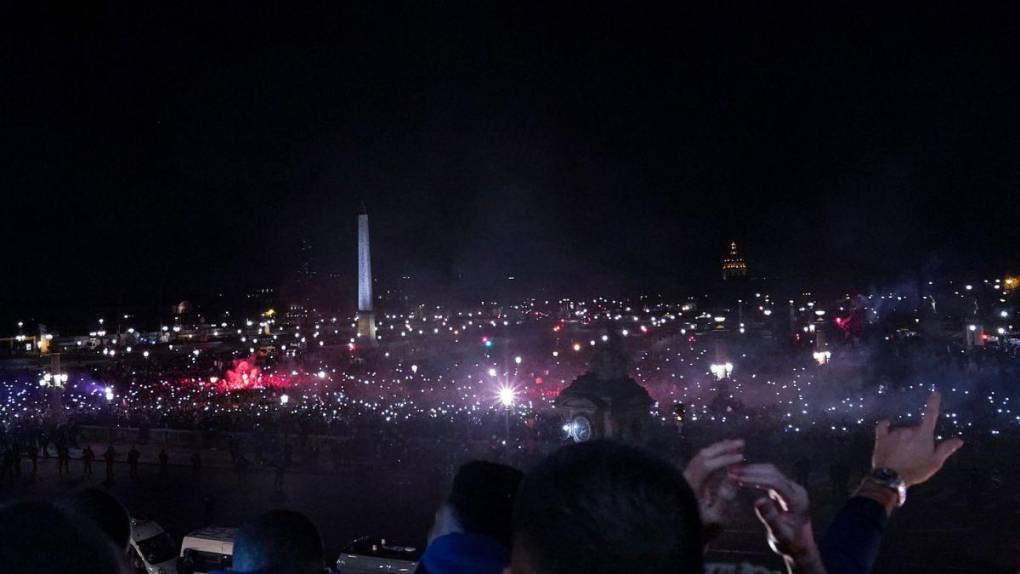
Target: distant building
{"points": [[295, 314], [733, 265]]}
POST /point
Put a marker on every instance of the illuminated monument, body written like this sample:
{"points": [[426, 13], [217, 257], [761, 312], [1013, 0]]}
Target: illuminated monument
{"points": [[733, 264], [366, 316], [606, 402]]}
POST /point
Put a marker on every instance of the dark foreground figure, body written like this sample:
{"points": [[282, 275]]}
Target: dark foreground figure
{"points": [[593, 508]]}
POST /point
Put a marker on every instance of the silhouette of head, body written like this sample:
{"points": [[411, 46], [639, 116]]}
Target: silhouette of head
{"points": [[39, 537], [279, 541], [603, 507], [105, 511], [482, 498]]}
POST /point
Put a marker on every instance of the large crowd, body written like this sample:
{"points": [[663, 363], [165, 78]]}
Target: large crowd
{"points": [[444, 395], [599, 507]]}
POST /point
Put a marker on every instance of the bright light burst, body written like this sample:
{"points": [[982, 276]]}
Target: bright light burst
{"points": [[507, 395], [822, 357], [721, 370]]}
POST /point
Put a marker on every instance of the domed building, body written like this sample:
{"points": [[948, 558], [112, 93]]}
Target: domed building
{"points": [[733, 265]]}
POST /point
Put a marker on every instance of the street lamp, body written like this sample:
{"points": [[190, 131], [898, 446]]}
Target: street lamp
{"points": [[721, 370], [507, 396], [110, 408]]}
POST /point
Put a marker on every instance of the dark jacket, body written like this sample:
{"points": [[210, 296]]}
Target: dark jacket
{"points": [[851, 544], [464, 553]]}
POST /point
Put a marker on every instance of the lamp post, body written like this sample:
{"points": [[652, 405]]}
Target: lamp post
{"points": [[110, 410], [507, 395]]}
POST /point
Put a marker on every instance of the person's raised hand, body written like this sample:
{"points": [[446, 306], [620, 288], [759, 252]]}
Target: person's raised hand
{"points": [[911, 451], [712, 486], [710, 459], [785, 514]]}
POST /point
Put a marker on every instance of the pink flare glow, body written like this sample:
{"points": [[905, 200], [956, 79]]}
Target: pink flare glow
{"points": [[246, 374]]}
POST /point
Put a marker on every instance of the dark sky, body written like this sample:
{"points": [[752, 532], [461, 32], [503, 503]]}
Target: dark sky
{"points": [[172, 152]]}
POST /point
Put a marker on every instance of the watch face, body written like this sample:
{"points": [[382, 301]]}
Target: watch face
{"points": [[885, 475], [580, 429], [889, 478]]}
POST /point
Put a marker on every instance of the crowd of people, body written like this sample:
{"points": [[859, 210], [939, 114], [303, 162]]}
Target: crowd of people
{"points": [[596, 507], [440, 390]]}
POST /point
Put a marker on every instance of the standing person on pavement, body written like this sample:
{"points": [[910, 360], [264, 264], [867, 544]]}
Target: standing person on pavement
{"points": [[87, 456], [109, 456], [164, 460], [33, 455], [196, 464], [63, 459], [132, 458]]}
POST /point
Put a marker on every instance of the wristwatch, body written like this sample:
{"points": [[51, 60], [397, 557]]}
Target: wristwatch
{"points": [[889, 478]]}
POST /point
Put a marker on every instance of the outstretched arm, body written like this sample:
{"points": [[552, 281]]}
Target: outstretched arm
{"points": [[910, 455]]}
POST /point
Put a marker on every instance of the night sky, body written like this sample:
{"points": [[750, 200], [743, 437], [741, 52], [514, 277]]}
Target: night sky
{"points": [[176, 152]]}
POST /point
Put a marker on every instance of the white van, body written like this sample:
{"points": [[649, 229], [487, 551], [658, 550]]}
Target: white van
{"points": [[374, 556], [207, 549], [152, 549]]}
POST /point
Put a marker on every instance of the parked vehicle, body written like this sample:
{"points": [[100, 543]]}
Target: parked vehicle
{"points": [[207, 549], [375, 555], [152, 550]]}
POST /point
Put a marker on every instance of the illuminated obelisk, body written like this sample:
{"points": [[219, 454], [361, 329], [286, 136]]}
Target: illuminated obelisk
{"points": [[366, 316]]}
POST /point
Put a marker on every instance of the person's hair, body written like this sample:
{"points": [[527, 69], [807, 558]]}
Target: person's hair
{"points": [[604, 507], [482, 498], [105, 511], [39, 537], [279, 541]]}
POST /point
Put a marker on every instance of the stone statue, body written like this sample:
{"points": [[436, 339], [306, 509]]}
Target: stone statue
{"points": [[610, 361]]}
